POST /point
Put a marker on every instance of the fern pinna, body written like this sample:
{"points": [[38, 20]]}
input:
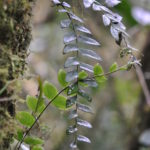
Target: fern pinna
{"points": [[117, 28], [77, 70]]}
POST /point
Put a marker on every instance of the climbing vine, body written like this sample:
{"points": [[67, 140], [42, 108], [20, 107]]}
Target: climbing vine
{"points": [[78, 76]]}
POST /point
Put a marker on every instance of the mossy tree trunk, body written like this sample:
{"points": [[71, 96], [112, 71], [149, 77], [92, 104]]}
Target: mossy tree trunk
{"points": [[15, 36]]}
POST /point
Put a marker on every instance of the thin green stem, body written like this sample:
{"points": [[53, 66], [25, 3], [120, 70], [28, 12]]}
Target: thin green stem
{"points": [[105, 74], [38, 117], [108, 73], [27, 132], [40, 94]]}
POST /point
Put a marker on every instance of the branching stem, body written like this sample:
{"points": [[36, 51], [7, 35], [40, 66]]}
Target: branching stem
{"points": [[40, 116], [27, 132], [107, 73]]}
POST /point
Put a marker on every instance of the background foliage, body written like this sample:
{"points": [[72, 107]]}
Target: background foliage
{"points": [[115, 103]]}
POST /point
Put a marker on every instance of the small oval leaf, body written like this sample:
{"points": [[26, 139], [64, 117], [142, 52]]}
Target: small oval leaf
{"points": [[25, 118], [19, 135], [33, 141], [72, 75], [82, 29], [56, 2], [106, 20], [82, 138], [86, 67], [114, 33], [113, 67], [88, 40], [32, 103], [60, 102], [65, 4], [71, 61], [49, 90], [98, 69], [83, 123], [69, 38], [65, 23], [37, 148], [87, 3], [70, 48], [82, 75], [62, 78], [98, 72], [74, 17], [112, 3], [89, 53], [96, 7], [84, 108]]}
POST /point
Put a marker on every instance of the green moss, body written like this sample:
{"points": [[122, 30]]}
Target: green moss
{"points": [[8, 125], [15, 36]]}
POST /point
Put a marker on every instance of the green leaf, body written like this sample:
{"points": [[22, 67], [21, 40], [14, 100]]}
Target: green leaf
{"points": [[49, 90], [101, 79], [83, 84], [82, 75], [33, 141], [19, 135], [62, 78], [32, 103], [25, 118], [98, 70], [37, 148], [60, 102], [41, 108], [113, 67]]}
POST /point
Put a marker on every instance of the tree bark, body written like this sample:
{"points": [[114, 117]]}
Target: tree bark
{"points": [[15, 36]]}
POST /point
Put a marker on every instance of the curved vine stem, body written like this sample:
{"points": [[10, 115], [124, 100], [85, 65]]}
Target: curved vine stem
{"points": [[40, 94], [105, 74], [18, 147]]}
